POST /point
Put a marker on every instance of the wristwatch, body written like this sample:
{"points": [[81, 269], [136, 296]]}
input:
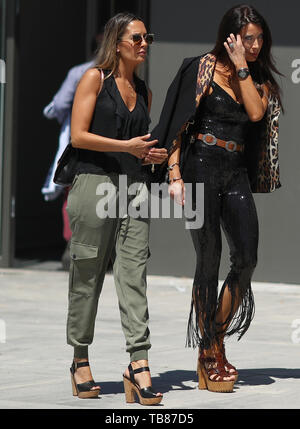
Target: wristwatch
{"points": [[243, 73]]}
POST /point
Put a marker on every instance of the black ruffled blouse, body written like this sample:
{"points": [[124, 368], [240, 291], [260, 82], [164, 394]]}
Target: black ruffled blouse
{"points": [[113, 119]]}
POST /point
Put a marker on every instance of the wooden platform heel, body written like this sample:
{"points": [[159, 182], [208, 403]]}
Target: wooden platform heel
{"points": [[146, 395], [83, 390], [211, 374]]}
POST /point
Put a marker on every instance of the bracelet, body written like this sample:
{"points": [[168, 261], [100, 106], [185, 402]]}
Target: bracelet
{"points": [[172, 166], [174, 180]]}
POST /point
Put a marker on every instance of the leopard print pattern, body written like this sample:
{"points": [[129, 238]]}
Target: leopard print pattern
{"points": [[268, 167], [205, 74]]}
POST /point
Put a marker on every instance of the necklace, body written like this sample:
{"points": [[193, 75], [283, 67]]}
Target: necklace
{"points": [[128, 84], [131, 88]]}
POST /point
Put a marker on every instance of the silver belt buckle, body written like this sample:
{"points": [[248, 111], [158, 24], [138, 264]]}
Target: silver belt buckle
{"points": [[213, 142], [234, 146]]}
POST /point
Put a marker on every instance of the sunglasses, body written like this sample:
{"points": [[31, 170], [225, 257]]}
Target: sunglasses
{"points": [[137, 38]]}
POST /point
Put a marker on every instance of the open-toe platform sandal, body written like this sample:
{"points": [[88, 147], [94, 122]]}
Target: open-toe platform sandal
{"points": [[83, 390], [229, 368], [212, 374], [146, 395]]}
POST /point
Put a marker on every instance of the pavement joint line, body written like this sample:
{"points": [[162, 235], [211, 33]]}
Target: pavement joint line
{"points": [[20, 386]]}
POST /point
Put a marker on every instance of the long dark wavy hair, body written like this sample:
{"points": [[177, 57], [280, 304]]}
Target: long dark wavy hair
{"points": [[261, 70]]}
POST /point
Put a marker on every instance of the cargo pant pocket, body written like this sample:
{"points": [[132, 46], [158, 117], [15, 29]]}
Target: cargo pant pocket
{"points": [[84, 261]]}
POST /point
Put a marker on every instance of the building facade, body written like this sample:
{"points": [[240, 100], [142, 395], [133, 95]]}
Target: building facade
{"points": [[42, 39]]}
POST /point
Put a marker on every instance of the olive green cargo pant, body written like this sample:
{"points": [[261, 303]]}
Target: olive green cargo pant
{"points": [[94, 241]]}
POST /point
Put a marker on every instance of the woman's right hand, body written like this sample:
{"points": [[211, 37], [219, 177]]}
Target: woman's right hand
{"points": [[139, 146]]}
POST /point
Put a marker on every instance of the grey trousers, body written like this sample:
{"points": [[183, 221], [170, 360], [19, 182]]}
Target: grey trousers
{"points": [[95, 240]]}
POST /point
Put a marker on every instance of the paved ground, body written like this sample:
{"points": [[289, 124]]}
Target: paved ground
{"points": [[35, 360]]}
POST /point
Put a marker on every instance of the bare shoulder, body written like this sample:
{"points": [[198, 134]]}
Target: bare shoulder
{"points": [[92, 74], [91, 78], [265, 90]]}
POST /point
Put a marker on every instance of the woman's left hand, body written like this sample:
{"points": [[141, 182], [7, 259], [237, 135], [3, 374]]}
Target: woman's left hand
{"points": [[177, 192], [155, 156], [235, 49]]}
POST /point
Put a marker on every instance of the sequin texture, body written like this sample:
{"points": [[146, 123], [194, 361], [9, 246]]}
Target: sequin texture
{"points": [[219, 114], [228, 204]]}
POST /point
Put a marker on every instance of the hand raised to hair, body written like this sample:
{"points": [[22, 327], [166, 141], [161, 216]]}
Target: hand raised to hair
{"points": [[236, 51]]}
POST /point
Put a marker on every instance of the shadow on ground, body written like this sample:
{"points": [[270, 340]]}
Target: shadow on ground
{"points": [[265, 376], [181, 380]]}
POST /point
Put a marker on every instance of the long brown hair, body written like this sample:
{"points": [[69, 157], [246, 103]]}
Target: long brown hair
{"points": [[114, 29], [261, 70]]}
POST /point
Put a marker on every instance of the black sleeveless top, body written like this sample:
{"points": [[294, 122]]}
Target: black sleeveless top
{"points": [[113, 119], [219, 114]]}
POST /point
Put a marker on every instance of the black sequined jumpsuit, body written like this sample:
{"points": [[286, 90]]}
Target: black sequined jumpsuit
{"points": [[228, 202]]}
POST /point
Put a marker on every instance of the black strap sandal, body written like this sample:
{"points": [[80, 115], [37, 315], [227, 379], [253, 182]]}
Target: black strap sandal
{"points": [[146, 395], [83, 390]]}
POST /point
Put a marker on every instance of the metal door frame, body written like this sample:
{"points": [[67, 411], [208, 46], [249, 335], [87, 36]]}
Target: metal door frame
{"points": [[9, 139]]}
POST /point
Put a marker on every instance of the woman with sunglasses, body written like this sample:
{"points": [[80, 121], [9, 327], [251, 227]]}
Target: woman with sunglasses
{"points": [[220, 126], [109, 127]]}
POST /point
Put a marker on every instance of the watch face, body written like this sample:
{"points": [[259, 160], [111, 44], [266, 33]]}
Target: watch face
{"points": [[243, 73]]}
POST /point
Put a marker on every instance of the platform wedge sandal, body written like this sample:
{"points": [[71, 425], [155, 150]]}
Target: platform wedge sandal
{"points": [[146, 395], [212, 374], [229, 368], [83, 390]]}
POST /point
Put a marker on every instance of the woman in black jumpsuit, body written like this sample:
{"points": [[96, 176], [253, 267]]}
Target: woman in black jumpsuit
{"points": [[233, 106]]}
